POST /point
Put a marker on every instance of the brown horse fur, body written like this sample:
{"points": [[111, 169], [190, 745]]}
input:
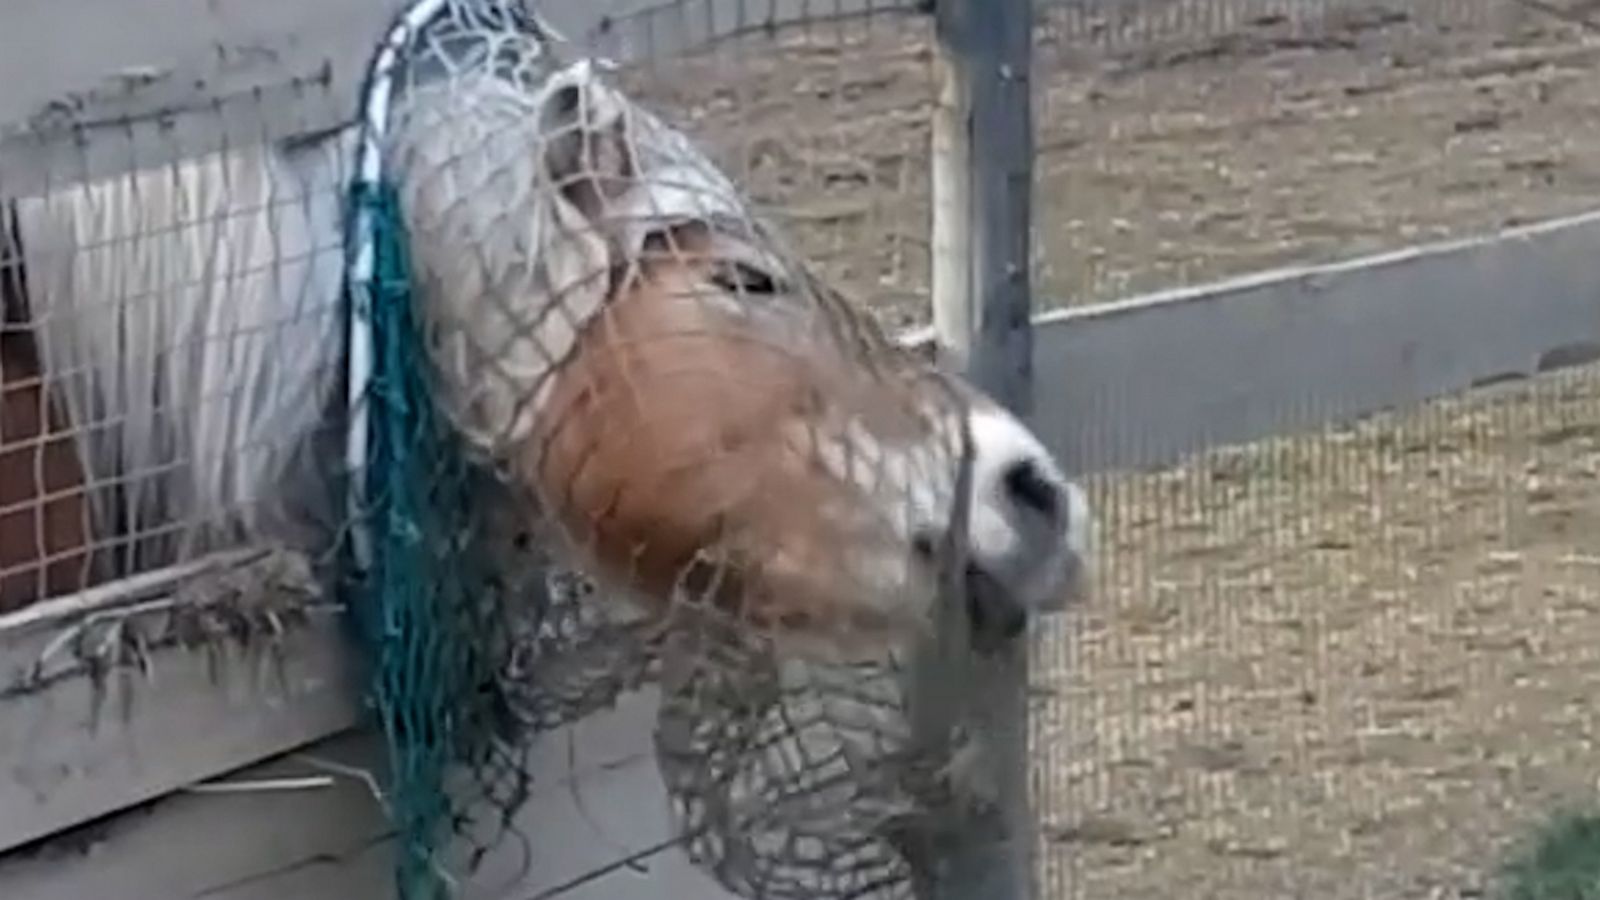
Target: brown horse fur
{"points": [[44, 511], [680, 449]]}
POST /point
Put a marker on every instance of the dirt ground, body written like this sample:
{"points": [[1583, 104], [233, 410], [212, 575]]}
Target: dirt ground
{"points": [[1272, 138], [1353, 664], [1349, 664]]}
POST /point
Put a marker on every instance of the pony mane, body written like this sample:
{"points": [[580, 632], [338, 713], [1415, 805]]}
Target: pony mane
{"points": [[190, 315]]}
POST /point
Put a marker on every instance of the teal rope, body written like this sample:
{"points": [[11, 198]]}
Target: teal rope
{"points": [[423, 630]]}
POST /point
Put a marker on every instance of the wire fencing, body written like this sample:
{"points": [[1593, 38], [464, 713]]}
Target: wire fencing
{"points": [[172, 338], [1348, 659]]}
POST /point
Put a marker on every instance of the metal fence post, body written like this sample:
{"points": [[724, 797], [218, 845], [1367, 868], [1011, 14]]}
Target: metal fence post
{"points": [[982, 186]]}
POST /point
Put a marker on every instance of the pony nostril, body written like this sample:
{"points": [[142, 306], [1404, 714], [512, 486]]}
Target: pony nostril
{"points": [[922, 545], [1031, 489]]}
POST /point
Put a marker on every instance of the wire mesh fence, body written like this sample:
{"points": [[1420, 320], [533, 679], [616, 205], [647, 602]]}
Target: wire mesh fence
{"points": [[1353, 660], [773, 500], [1350, 662]]}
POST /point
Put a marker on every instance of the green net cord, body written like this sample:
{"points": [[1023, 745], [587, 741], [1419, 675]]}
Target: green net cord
{"points": [[427, 615]]}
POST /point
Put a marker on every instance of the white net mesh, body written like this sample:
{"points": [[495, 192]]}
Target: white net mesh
{"points": [[766, 494], [609, 325]]}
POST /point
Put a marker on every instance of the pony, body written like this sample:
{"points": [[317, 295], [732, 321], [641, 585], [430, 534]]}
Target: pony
{"points": [[695, 412], [661, 373], [186, 319]]}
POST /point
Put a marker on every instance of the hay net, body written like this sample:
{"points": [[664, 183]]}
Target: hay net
{"points": [[618, 433]]}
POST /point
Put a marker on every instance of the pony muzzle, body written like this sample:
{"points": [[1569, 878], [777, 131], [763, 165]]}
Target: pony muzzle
{"points": [[994, 611]]}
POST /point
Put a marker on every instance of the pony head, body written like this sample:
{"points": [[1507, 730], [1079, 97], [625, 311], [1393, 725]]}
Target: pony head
{"points": [[701, 416]]}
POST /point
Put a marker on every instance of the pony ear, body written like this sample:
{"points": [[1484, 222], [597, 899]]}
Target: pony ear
{"points": [[589, 151]]}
